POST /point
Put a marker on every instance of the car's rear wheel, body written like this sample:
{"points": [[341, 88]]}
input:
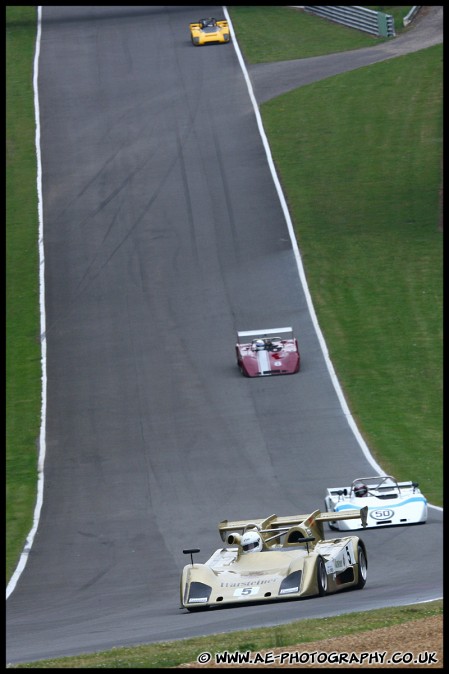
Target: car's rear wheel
{"points": [[362, 569], [321, 577]]}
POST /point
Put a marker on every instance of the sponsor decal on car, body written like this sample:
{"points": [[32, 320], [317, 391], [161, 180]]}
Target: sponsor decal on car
{"points": [[247, 583], [342, 560]]}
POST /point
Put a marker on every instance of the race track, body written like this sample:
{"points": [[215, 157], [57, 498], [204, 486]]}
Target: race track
{"points": [[164, 235]]}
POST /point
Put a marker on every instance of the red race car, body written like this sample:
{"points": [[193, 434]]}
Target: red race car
{"points": [[261, 353]]}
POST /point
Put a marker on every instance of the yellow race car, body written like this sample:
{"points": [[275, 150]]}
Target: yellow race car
{"points": [[209, 31], [293, 560]]}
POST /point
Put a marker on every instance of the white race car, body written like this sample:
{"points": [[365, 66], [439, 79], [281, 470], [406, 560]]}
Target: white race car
{"points": [[389, 502]]}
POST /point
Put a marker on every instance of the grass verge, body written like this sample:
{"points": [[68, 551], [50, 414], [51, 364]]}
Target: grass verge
{"points": [[23, 371], [359, 157], [275, 33]]}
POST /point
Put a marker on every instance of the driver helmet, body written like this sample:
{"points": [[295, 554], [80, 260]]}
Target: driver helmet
{"points": [[360, 490], [259, 344], [251, 542]]}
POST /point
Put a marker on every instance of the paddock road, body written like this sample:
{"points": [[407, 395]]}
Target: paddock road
{"points": [[164, 235], [272, 79]]}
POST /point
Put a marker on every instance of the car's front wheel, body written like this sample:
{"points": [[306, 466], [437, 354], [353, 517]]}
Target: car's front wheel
{"points": [[321, 577]]}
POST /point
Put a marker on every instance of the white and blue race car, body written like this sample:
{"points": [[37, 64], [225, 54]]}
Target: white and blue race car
{"points": [[389, 502]]}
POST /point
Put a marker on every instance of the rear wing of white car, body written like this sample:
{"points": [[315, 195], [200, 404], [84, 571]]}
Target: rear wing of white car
{"points": [[378, 484], [248, 335]]}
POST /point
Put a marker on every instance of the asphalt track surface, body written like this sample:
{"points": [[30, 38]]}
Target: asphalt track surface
{"points": [[164, 235]]}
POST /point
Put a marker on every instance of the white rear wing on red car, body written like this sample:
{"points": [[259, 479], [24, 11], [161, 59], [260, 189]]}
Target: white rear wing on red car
{"points": [[248, 335]]}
